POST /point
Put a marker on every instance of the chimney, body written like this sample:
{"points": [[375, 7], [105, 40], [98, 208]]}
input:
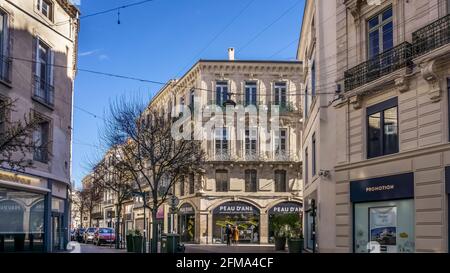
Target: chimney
{"points": [[231, 53]]}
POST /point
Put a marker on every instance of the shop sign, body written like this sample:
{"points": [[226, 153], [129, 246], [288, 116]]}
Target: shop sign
{"points": [[160, 213], [236, 208], [20, 179], [383, 188], [186, 209], [447, 180], [10, 206], [285, 208]]}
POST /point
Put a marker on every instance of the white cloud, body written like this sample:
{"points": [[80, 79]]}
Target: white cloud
{"points": [[88, 53], [103, 57]]}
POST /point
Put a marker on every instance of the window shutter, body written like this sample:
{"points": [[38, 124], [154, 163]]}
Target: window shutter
{"points": [[36, 68], [50, 67]]}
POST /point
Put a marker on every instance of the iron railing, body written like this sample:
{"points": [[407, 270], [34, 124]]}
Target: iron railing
{"points": [[44, 91], [380, 65], [281, 155], [251, 155], [222, 155], [431, 36]]}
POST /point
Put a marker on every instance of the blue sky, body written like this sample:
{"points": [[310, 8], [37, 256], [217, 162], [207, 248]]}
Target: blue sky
{"points": [[160, 40]]}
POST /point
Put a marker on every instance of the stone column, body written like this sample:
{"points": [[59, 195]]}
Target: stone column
{"points": [[203, 227], [264, 228]]}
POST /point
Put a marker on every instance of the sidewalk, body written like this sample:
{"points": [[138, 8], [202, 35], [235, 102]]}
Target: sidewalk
{"points": [[223, 248]]}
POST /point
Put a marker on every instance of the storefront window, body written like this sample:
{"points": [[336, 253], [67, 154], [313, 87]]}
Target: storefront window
{"points": [[238, 214], [284, 208], [386, 226], [21, 221]]}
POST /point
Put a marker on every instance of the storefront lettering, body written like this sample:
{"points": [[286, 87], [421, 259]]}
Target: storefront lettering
{"points": [[15, 178], [235, 209], [286, 209], [380, 188]]}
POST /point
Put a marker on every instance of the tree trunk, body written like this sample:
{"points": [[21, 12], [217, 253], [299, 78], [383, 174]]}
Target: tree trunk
{"points": [[81, 218], [119, 210], [90, 218], [154, 241]]}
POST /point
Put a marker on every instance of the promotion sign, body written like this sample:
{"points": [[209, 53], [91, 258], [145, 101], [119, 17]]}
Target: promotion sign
{"points": [[286, 208], [236, 208], [383, 227]]}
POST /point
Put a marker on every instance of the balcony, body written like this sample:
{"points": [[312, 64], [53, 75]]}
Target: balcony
{"points": [[5, 69], [251, 155], [432, 36], [222, 155], [43, 91], [283, 156], [384, 63]]}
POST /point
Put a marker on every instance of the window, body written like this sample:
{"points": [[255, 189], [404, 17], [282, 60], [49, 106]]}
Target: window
{"points": [[192, 99], [250, 181], [382, 128], [221, 92], [40, 142], [313, 154], [280, 181], [281, 141], [43, 73], [250, 93], [4, 59], [221, 180], [182, 185], [380, 33], [250, 141], [191, 183], [306, 101], [448, 6], [280, 93], [221, 141], [46, 8], [2, 116], [448, 104], [305, 177]]}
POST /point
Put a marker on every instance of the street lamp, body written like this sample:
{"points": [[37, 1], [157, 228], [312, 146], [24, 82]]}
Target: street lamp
{"points": [[174, 201], [143, 195], [229, 101]]}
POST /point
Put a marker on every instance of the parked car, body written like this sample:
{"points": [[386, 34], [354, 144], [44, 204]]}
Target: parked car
{"points": [[88, 236], [79, 234], [104, 235]]}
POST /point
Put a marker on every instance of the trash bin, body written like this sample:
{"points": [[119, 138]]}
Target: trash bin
{"points": [[173, 240], [164, 243]]}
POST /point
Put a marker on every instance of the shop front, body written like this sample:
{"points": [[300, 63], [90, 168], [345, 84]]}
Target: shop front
{"points": [[186, 223], [383, 214], [283, 208], [242, 215], [24, 225]]}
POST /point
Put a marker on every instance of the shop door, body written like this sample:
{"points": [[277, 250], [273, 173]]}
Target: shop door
{"points": [[57, 232]]}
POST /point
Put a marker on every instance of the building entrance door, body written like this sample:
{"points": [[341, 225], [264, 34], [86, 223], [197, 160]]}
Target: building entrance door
{"points": [[57, 232]]}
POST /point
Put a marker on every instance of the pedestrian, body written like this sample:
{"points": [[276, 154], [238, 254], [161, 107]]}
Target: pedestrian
{"points": [[228, 234], [235, 235]]}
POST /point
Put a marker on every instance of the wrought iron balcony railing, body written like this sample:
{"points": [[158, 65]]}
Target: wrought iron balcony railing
{"points": [[222, 155], [431, 36], [282, 156], [251, 155], [44, 91], [5, 68], [380, 65]]}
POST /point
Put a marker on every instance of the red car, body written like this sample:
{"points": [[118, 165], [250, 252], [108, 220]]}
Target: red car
{"points": [[104, 235]]}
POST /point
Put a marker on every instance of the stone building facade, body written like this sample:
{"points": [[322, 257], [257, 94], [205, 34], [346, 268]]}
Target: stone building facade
{"points": [[391, 122], [246, 179], [37, 38]]}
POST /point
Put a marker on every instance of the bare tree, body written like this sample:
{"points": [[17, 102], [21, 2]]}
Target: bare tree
{"points": [[149, 153], [94, 195], [81, 202], [110, 174], [15, 140]]}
